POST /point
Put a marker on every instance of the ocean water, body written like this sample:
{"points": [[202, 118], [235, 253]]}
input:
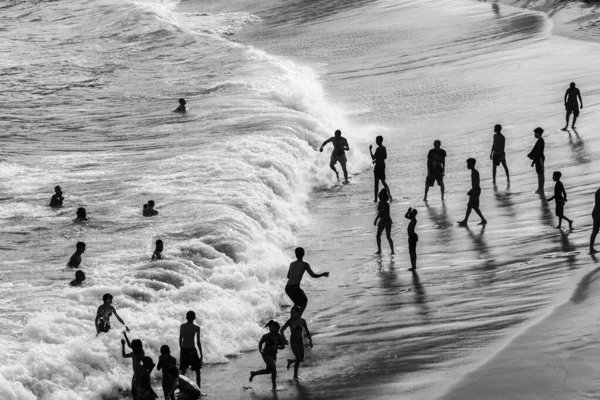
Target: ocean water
{"points": [[87, 99]]}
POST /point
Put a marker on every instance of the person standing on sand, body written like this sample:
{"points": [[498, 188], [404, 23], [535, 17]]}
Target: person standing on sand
{"points": [[413, 238], [385, 222], [538, 159], [572, 95], [340, 146], [497, 154], [379, 160], [473, 194], [596, 218], [560, 197], [189, 355], [294, 276], [436, 168]]}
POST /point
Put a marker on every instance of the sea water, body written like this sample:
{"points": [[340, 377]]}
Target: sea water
{"points": [[87, 99]]}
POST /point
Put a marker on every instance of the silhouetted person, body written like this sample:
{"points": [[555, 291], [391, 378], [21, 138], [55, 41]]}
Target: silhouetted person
{"points": [[272, 342], [188, 390], [145, 211], [560, 198], [189, 337], [436, 167], [294, 276], [144, 380], [81, 215], [340, 146], [75, 260], [105, 311], [473, 194], [413, 238], [151, 211], [57, 197], [538, 159], [79, 278], [572, 105], [385, 221], [297, 325], [379, 160], [157, 255], [182, 108], [165, 362], [497, 154], [596, 218], [137, 357]]}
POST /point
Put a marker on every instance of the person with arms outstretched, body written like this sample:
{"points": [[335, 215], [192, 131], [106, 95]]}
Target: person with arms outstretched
{"points": [[538, 159], [497, 154], [379, 158], [294, 276], [189, 355], [572, 104], [436, 168], [297, 325], [560, 198], [340, 146], [385, 221], [473, 194]]}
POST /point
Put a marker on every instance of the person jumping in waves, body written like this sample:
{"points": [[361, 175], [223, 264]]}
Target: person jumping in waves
{"points": [[296, 324], [272, 342], [379, 160], [473, 194], [189, 355], [436, 168], [560, 197], [105, 311], [572, 105], [413, 238], [385, 221], [340, 146], [596, 218], [75, 260], [294, 276], [538, 159], [497, 154], [57, 198]]}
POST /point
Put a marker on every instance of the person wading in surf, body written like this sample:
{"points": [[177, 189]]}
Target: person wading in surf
{"points": [[294, 275], [572, 105], [340, 146]]}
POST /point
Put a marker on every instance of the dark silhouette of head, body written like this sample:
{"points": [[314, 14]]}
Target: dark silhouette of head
{"points": [[498, 128], [136, 344], [295, 311], [556, 175], [165, 350], [379, 140], [338, 133], [414, 212], [151, 204], [79, 276], [572, 85], [81, 213], [107, 297], [148, 363], [80, 246], [273, 326], [437, 144], [57, 189], [471, 163], [383, 196], [299, 252], [159, 245], [182, 102], [190, 316], [538, 132]]}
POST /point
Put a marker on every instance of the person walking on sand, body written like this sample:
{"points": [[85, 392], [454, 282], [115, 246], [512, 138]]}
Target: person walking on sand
{"points": [[413, 238], [436, 168], [497, 154], [340, 146], [572, 105], [379, 160], [385, 221], [560, 197], [596, 219], [294, 276], [473, 194], [189, 355], [538, 159], [272, 342], [297, 325]]}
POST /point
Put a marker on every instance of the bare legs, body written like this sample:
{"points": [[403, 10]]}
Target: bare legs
{"points": [[505, 170], [570, 221], [427, 191], [332, 166], [297, 360], [271, 369], [388, 234], [337, 175], [595, 230], [469, 208], [377, 189], [412, 251]]}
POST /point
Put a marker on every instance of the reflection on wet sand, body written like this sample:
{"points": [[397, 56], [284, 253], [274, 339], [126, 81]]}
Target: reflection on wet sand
{"points": [[578, 151], [505, 201], [487, 267]]}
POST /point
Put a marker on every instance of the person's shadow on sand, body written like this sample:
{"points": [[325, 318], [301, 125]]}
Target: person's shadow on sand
{"points": [[577, 145], [420, 296], [505, 201], [546, 215], [488, 265]]}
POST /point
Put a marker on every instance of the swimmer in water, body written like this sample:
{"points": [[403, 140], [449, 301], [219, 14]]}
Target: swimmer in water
{"points": [[188, 390], [379, 160], [157, 255], [340, 146], [57, 197], [151, 211], [560, 198], [272, 342], [297, 325], [413, 238], [75, 260], [189, 337], [182, 108], [79, 278], [137, 356], [81, 215], [385, 221], [105, 311], [145, 212], [294, 276]]}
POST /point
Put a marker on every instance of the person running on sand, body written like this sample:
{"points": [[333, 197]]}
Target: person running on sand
{"points": [[296, 324], [572, 105], [560, 197], [436, 168], [57, 198], [272, 342], [340, 146], [165, 362], [473, 194], [379, 160], [596, 219], [413, 238], [75, 260], [538, 159], [182, 108], [497, 154], [105, 311], [188, 333], [137, 356], [79, 278], [294, 276], [157, 255], [188, 390], [385, 221]]}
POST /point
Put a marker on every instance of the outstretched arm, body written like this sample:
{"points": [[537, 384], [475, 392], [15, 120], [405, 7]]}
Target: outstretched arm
{"points": [[312, 274], [125, 355], [119, 318], [127, 339], [324, 143]]}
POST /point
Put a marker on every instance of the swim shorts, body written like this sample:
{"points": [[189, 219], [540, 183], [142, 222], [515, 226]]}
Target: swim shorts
{"points": [[497, 158], [435, 176], [341, 158], [103, 325], [379, 172], [474, 197], [296, 294], [189, 358], [572, 108], [298, 350], [560, 208]]}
